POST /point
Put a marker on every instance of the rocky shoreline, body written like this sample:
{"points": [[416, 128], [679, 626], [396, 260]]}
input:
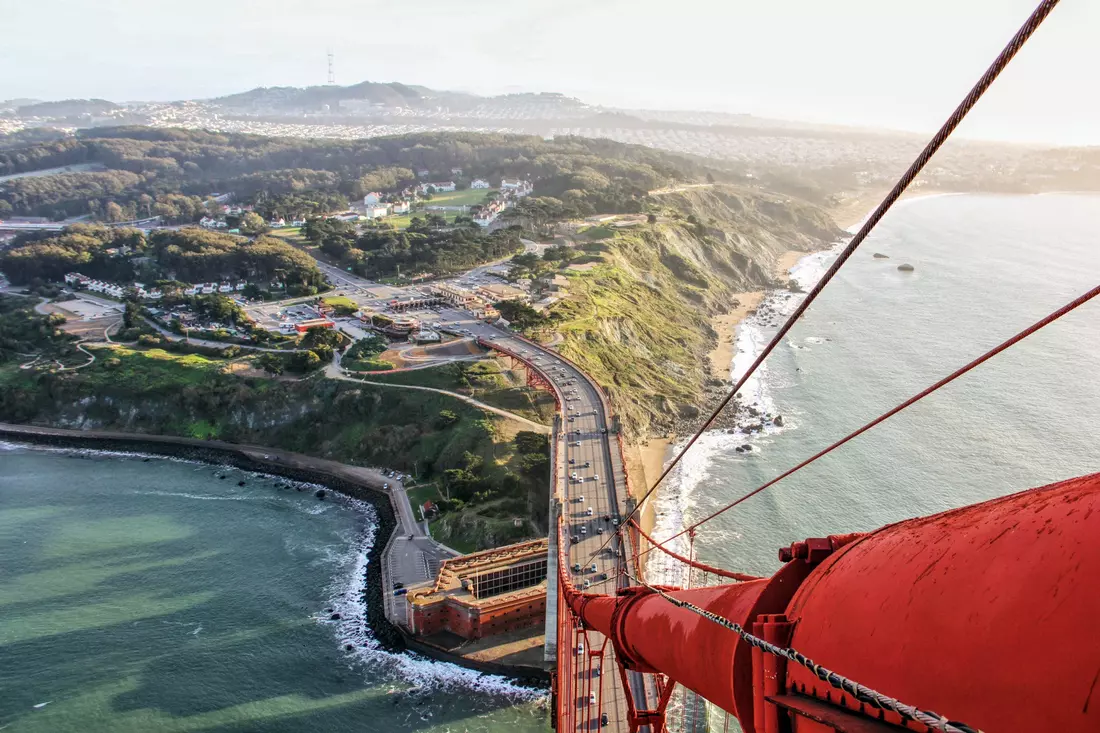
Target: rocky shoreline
{"points": [[293, 466]]}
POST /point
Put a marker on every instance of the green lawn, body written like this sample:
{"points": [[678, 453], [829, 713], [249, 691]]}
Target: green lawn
{"points": [[468, 197], [340, 300]]}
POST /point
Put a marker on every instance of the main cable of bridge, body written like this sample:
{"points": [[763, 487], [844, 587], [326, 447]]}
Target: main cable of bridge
{"points": [[934, 144], [933, 721]]}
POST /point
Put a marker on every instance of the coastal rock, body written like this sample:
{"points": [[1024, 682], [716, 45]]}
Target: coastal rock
{"points": [[335, 617], [320, 494], [880, 256], [778, 421], [906, 267], [240, 483], [747, 448]]}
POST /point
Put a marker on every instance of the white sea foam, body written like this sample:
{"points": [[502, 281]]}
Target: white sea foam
{"points": [[351, 630], [676, 498]]}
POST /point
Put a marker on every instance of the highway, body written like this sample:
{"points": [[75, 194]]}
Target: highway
{"points": [[591, 484]]}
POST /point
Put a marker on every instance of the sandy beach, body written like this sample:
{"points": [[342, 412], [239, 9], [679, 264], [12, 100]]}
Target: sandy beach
{"points": [[858, 207], [645, 462], [721, 356]]}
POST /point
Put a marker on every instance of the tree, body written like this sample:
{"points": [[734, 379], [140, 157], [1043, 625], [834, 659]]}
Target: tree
{"points": [[530, 442], [651, 218], [112, 212], [303, 361], [253, 223]]}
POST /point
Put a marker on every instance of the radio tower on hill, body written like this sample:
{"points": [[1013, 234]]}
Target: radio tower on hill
{"points": [[331, 67]]}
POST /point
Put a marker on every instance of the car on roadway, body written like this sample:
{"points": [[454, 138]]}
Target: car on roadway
{"points": [[603, 720], [577, 443], [574, 539], [576, 567]]}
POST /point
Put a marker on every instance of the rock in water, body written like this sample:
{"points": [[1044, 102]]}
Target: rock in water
{"points": [[778, 421], [880, 256], [906, 267], [320, 494]]}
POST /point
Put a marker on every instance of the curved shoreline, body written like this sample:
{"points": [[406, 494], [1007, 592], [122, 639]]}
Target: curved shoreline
{"points": [[295, 466]]}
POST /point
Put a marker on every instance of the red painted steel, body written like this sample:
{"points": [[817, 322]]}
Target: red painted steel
{"points": [[984, 614]]}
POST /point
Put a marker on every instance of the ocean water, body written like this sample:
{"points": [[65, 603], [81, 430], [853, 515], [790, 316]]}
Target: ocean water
{"points": [[985, 268], [143, 594]]}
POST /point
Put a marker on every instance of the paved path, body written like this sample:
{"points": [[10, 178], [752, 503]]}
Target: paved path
{"points": [[334, 371]]}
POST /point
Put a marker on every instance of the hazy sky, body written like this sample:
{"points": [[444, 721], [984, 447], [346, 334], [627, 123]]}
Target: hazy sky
{"points": [[842, 61]]}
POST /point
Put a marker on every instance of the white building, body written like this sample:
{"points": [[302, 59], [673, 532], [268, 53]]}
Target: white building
{"points": [[401, 207], [516, 186], [479, 183], [440, 186], [376, 212], [372, 198]]}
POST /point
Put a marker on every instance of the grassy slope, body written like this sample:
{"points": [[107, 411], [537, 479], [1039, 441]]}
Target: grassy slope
{"points": [[639, 322], [488, 381]]}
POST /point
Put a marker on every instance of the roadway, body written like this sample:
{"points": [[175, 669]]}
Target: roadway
{"points": [[590, 484]]}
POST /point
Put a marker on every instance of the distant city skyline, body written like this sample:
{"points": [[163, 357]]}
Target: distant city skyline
{"points": [[844, 62]]}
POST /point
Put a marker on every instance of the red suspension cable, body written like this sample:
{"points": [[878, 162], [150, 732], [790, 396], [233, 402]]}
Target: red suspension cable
{"points": [[976, 92], [1081, 300]]}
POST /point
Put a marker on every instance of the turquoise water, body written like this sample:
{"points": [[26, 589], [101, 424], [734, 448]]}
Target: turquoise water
{"points": [[149, 595], [985, 268]]}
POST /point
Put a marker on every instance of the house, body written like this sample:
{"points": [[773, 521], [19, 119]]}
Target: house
{"points": [[456, 171], [479, 183], [423, 173], [516, 186], [400, 207], [225, 288], [376, 212], [209, 288], [278, 223], [372, 198], [439, 186]]}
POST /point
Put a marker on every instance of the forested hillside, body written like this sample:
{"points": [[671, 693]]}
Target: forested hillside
{"points": [[145, 167]]}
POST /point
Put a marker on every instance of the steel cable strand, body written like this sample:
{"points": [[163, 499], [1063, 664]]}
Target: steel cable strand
{"points": [[1020, 336], [976, 92]]}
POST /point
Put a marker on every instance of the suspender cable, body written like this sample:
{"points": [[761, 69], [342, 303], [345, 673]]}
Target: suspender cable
{"points": [[1076, 302], [1014, 45]]}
